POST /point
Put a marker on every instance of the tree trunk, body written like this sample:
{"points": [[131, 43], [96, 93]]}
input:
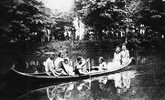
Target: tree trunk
{"points": [[126, 39], [100, 34], [126, 35]]}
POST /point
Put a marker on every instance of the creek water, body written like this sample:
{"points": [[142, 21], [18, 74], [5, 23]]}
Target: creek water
{"points": [[109, 87], [138, 83]]}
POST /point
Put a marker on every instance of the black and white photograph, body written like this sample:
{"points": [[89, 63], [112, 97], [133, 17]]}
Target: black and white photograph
{"points": [[82, 49]]}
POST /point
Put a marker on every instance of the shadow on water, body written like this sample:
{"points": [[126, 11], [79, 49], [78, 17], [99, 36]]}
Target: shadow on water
{"points": [[98, 88]]}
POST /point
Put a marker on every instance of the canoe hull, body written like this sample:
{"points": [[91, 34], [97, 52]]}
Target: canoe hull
{"points": [[44, 78]]}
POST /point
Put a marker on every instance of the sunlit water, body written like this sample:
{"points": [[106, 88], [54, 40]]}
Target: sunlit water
{"points": [[109, 87]]}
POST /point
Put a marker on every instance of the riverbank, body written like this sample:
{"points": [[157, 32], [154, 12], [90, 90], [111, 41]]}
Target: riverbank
{"points": [[150, 62], [14, 53]]}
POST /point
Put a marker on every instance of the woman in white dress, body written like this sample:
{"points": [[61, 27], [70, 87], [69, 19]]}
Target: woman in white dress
{"points": [[116, 59], [67, 67], [102, 64]]}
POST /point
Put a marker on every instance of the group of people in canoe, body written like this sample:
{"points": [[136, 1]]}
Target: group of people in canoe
{"points": [[59, 65], [120, 58]]}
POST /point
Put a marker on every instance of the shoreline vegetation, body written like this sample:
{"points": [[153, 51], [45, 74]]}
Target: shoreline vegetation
{"points": [[13, 54], [150, 62]]}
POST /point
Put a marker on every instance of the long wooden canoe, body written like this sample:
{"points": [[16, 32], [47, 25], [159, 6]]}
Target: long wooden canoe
{"points": [[43, 77]]}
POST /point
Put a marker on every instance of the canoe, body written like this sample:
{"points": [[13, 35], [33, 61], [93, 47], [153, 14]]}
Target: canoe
{"points": [[43, 77]]}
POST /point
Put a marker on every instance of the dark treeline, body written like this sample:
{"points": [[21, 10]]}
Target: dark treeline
{"points": [[25, 23], [135, 20], [29, 21]]}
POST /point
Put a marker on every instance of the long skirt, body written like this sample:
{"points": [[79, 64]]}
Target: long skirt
{"points": [[113, 65]]}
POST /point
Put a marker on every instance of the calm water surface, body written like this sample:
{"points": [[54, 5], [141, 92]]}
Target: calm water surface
{"points": [[144, 83], [110, 87]]}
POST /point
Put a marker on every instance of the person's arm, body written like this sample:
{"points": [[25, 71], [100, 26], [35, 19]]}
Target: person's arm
{"points": [[113, 57], [79, 67], [46, 67], [63, 66], [84, 63], [81, 72], [128, 55]]}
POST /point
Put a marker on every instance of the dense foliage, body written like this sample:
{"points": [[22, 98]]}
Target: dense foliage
{"points": [[138, 19], [153, 14], [109, 15], [30, 20], [21, 21]]}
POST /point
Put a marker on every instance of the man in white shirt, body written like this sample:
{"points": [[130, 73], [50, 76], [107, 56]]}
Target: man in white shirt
{"points": [[49, 65], [125, 55]]}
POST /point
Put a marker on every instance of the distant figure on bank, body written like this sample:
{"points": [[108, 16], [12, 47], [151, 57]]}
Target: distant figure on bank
{"points": [[80, 66], [125, 55], [59, 64], [102, 64], [116, 59], [49, 65], [69, 69]]}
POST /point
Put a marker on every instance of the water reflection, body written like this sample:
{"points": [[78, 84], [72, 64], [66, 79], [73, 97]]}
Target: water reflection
{"points": [[123, 80], [104, 87]]}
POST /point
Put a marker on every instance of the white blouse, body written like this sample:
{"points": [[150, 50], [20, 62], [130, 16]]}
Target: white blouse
{"points": [[117, 56]]}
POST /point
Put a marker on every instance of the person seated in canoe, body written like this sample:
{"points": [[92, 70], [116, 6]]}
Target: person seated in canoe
{"points": [[80, 66], [116, 62], [59, 67], [49, 65], [125, 55], [102, 64], [67, 67]]}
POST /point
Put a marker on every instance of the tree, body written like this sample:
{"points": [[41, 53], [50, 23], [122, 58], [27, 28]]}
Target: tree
{"points": [[129, 10], [63, 19], [108, 15], [23, 20], [153, 15]]}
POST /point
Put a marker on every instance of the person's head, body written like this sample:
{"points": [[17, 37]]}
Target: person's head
{"points": [[79, 59], [124, 47], [66, 60], [117, 49], [101, 59], [52, 56], [60, 54]]}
